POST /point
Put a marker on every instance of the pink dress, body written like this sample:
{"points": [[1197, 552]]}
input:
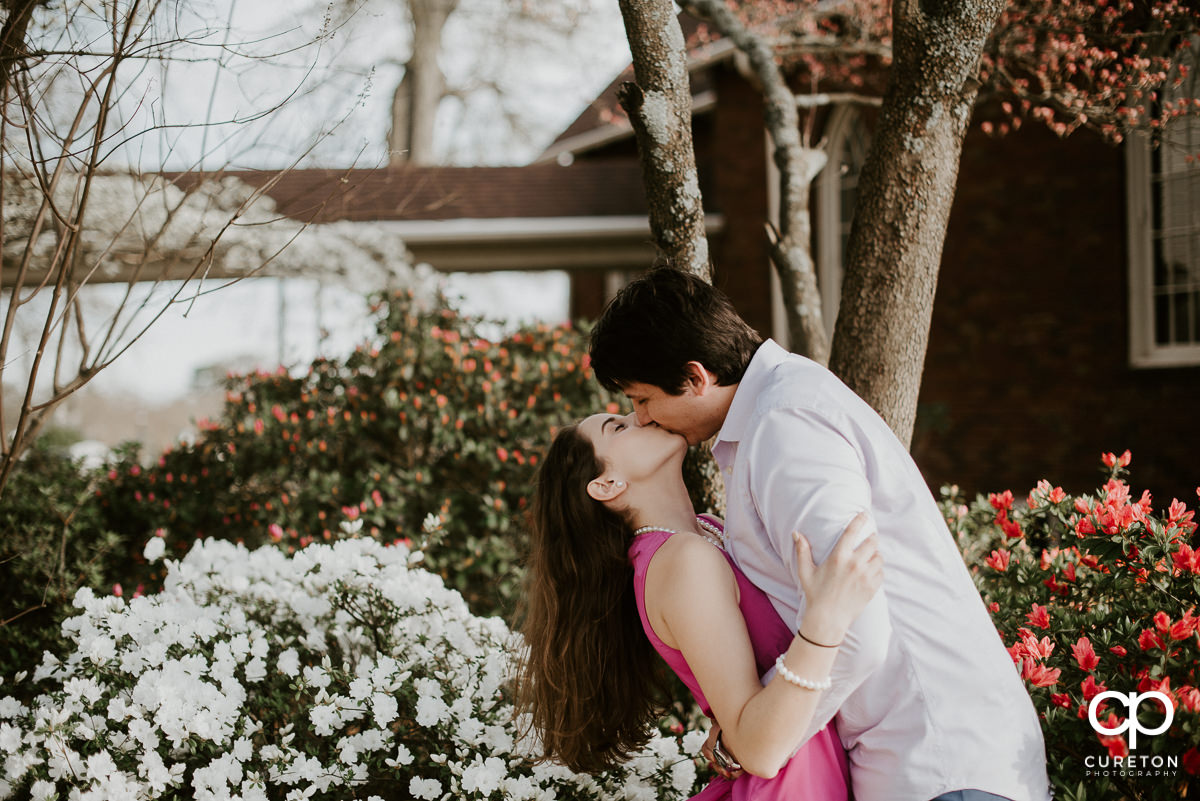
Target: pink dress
{"points": [[818, 771]]}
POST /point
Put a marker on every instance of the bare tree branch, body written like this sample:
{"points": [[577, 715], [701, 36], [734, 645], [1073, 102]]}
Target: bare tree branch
{"points": [[791, 245]]}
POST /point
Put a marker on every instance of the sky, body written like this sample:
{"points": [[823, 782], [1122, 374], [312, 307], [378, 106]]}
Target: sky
{"points": [[338, 96]]}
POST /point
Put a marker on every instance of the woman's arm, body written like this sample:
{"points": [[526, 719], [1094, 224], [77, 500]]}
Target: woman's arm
{"points": [[691, 598]]}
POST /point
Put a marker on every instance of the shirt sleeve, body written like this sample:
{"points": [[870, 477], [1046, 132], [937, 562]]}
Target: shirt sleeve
{"points": [[806, 476]]}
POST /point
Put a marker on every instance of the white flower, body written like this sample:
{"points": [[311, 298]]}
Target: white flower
{"points": [[42, 790], [10, 738], [403, 757], [360, 688], [484, 777], [288, 663], [683, 775], [155, 547], [10, 707], [256, 670], [100, 766], [425, 789], [316, 676], [693, 741], [384, 708]]}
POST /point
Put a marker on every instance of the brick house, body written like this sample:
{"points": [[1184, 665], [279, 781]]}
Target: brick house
{"points": [[1058, 330]]}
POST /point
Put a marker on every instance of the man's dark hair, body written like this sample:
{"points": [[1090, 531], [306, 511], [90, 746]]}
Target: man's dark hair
{"points": [[660, 322]]}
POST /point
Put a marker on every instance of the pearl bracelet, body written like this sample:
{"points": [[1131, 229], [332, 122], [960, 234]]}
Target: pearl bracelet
{"points": [[791, 678]]}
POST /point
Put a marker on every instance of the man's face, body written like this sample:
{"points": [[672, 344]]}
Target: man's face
{"points": [[685, 414]]}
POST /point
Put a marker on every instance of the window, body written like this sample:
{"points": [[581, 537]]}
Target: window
{"points": [[1164, 245]]}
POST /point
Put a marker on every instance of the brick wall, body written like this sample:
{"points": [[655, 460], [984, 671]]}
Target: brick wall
{"points": [[734, 162], [1027, 374]]}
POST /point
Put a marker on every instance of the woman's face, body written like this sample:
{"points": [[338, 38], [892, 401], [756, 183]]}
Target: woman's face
{"points": [[632, 452]]}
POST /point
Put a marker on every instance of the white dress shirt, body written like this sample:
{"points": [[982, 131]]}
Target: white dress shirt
{"points": [[926, 697]]}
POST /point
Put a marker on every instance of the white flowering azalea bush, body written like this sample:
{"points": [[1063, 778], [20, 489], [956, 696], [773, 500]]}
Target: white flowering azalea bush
{"points": [[342, 671]]}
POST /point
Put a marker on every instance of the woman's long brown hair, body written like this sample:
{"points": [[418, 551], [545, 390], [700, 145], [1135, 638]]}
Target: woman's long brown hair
{"points": [[589, 679]]}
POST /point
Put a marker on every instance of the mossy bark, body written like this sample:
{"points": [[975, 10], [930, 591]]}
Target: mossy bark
{"points": [[659, 106], [905, 194]]}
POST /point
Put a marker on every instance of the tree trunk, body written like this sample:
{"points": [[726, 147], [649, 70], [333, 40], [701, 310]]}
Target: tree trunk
{"points": [[12, 35], [660, 109], [415, 103], [905, 194], [791, 246]]}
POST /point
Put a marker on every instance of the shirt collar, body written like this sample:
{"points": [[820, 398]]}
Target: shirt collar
{"points": [[766, 358]]}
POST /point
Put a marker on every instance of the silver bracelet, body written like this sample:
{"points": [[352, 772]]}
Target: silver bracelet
{"points": [[791, 678]]}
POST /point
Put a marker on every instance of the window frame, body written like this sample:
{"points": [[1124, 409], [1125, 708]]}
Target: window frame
{"points": [[1144, 350]]}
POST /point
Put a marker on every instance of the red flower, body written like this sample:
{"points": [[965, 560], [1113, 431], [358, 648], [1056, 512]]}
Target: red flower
{"points": [[1084, 654], [1178, 513], [1117, 747], [1001, 502], [1162, 622], [1039, 617], [1112, 460], [1162, 685], [1189, 698], [998, 560], [1119, 650], [993, 607], [1182, 629], [1091, 689], [1149, 639], [1187, 560], [1061, 699], [1038, 674], [1191, 761], [1011, 529], [1052, 583]]}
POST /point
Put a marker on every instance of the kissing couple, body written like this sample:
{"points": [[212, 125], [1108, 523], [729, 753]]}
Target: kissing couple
{"points": [[828, 626]]}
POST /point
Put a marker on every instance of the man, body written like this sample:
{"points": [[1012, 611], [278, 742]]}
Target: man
{"points": [[928, 703]]}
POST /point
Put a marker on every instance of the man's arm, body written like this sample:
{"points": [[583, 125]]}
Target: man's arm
{"points": [[806, 476]]}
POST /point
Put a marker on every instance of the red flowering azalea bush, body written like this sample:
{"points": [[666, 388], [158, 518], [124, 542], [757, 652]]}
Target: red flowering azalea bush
{"points": [[1095, 594]]}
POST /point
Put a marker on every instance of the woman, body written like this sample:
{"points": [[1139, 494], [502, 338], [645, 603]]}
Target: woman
{"points": [[611, 495]]}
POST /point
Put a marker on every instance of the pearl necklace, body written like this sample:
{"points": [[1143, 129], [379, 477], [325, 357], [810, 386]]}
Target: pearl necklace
{"points": [[719, 541]]}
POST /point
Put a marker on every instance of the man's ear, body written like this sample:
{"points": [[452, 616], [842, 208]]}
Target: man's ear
{"points": [[605, 489], [698, 378]]}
